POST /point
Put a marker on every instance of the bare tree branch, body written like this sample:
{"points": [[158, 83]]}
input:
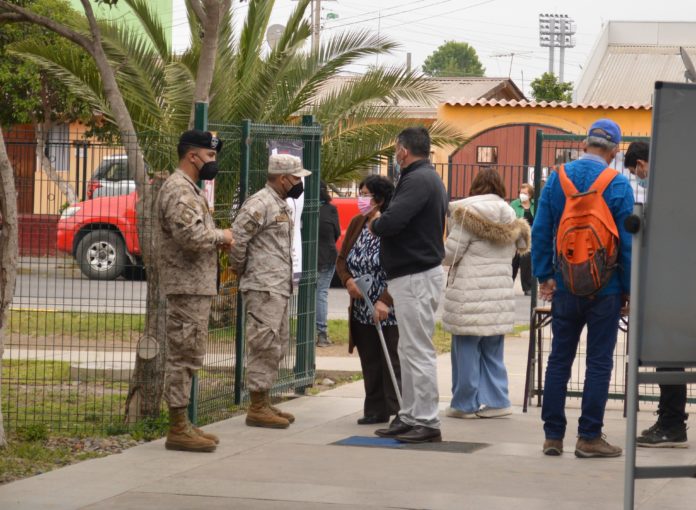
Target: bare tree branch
{"points": [[6, 17], [31, 17]]}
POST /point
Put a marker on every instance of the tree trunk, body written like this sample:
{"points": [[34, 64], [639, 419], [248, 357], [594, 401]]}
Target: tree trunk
{"points": [[147, 383], [8, 251], [210, 14]]}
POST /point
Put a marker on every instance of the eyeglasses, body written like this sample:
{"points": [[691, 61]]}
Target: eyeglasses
{"points": [[366, 195]]}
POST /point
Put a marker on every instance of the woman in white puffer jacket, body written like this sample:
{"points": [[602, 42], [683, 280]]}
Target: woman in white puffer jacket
{"points": [[484, 234]]}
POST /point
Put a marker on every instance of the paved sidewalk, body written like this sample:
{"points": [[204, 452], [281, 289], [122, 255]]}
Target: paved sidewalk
{"points": [[300, 468]]}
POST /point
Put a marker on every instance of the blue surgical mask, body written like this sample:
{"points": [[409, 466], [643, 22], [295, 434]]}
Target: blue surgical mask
{"points": [[643, 183]]}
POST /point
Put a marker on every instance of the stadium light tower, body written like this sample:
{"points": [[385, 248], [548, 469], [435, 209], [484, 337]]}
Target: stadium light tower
{"points": [[556, 31]]}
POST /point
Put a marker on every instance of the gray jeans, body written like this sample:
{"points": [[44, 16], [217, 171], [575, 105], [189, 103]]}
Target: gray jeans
{"points": [[416, 298]]}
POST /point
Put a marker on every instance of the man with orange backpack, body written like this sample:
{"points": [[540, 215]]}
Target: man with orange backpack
{"points": [[581, 255]]}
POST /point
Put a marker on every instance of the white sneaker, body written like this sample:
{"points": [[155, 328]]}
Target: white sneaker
{"points": [[456, 413], [494, 412]]}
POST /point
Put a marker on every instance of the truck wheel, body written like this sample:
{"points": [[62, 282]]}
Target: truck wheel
{"points": [[101, 255]]}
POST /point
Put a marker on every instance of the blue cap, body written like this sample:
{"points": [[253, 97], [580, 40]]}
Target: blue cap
{"points": [[606, 129]]}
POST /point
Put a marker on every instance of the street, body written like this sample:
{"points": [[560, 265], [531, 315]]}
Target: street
{"points": [[56, 283]]}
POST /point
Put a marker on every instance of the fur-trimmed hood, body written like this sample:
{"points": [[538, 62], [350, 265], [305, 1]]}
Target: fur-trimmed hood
{"points": [[489, 217]]}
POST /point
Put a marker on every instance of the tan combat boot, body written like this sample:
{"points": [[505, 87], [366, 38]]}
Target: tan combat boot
{"points": [[207, 435], [288, 416], [181, 435], [261, 415]]}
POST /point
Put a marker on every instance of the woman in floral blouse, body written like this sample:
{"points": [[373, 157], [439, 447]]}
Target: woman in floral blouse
{"points": [[360, 255]]}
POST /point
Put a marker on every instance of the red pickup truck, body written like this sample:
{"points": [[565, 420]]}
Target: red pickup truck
{"points": [[102, 235]]}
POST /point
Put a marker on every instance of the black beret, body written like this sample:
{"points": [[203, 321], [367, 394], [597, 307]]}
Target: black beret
{"points": [[203, 139]]}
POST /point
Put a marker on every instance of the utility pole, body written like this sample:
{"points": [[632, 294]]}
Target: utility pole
{"points": [[556, 31], [316, 25], [316, 22]]}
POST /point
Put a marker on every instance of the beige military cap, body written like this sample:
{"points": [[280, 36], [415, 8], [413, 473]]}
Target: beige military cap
{"points": [[286, 164]]}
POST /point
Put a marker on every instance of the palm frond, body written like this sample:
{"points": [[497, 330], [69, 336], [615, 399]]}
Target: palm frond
{"points": [[68, 66], [152, 26]]}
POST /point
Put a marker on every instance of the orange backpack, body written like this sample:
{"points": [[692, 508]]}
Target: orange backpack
{"points": [[587, 240]]}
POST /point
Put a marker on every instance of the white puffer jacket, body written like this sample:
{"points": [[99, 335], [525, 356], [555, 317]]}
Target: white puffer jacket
{"points": [[484, 234]]}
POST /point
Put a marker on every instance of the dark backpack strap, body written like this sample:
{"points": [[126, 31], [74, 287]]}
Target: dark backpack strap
{"points": [[567, 185], [604, 180]]}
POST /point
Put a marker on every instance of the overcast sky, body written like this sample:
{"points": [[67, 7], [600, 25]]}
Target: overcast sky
{"points": [[492, 27]]}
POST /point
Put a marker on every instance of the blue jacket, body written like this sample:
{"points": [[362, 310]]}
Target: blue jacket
{"points": [[619, 198]]}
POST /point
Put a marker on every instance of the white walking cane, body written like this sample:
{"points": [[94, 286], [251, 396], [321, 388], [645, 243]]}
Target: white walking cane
{"points": [[364, 283]]}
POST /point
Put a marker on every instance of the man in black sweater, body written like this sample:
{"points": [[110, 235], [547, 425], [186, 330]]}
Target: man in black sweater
{"points": [[412, 250]]}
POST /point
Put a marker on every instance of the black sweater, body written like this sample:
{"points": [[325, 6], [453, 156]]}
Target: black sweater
{"points": [[413, 226], [329, 232]]}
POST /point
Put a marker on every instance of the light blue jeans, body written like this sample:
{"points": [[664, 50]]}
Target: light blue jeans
{"points": [[479, 376], [324, 277]]}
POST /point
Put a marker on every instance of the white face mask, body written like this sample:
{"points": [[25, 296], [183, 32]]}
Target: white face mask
{"points": [[524, 197]]}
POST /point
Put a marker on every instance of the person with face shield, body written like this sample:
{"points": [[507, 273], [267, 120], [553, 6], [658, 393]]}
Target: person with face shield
{"points": [[188, 245], [262, 257]]}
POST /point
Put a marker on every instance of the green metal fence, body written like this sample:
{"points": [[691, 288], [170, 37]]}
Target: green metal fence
{"points": [[70, 359], [551, 151], [244, 162]]}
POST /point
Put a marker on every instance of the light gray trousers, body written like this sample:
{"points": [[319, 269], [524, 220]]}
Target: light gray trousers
{"points": [[416, 298]]}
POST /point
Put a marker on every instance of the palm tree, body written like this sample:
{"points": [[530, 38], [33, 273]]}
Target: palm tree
{"points": [[360, 116]]}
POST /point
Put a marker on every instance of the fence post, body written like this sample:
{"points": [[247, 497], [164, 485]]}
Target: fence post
{"points": [[307, 294], [245, 163], [200, 121]]}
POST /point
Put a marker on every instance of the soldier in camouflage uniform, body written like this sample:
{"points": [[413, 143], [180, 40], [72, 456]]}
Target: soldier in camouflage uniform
{"points": [[262, 256], [188, 245]]}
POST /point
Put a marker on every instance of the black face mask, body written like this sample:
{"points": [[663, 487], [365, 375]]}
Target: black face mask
{"points": [[296, 191], [208, 171]]}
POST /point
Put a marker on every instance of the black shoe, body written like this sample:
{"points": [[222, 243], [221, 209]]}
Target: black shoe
{"points": [[421, 434], [372, 419], [659, 436], [395, 428]]}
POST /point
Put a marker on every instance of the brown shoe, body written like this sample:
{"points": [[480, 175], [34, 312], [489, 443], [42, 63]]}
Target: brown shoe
{"points": [[207, 435], [278, 412], [595, 447], [261, 415], [553, 447], [181, 435]]}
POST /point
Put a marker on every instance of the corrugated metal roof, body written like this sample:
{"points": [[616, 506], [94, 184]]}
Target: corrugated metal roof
{"points": [[627, 74], [544, 104]]}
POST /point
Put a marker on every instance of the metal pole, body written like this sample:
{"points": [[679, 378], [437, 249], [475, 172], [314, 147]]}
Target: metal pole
{"points": [[633, 353], [200, 121], [245, 160], [551, 58], [84, 170], [316, 24], [561, 59], [307, 292]]}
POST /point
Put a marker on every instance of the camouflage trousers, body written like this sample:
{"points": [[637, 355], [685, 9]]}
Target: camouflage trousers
{"points": [[267, 337], [187, 335]]}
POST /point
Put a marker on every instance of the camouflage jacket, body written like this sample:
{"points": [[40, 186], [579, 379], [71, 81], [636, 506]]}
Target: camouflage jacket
{"points": [[262, 250], [188, 239]]}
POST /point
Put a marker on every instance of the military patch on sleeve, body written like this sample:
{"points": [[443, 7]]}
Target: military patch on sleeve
{"points": [[187, 216], [250, 226]]}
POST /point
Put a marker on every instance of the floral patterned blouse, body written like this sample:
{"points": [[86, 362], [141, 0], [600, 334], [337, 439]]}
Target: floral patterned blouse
{"points": [[363, 258]]}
